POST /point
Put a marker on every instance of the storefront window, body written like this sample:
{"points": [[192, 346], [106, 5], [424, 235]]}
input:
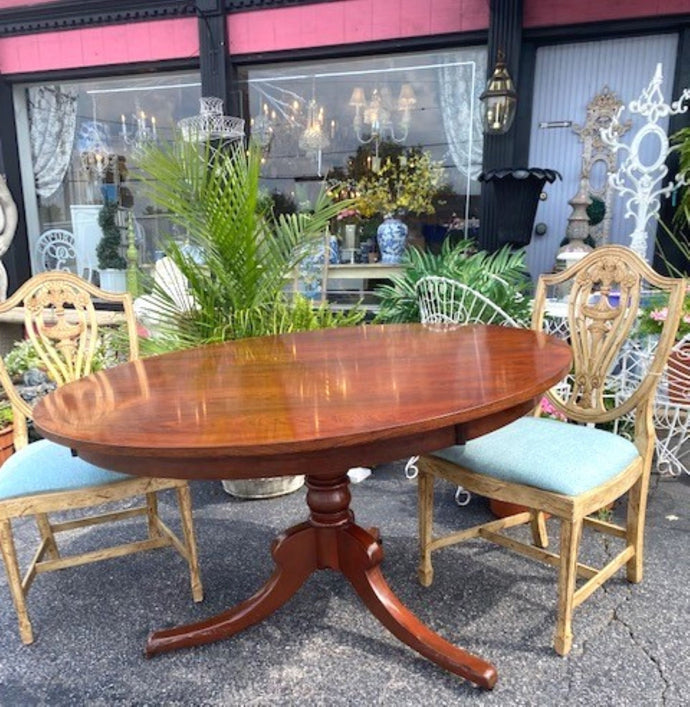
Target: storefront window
{"points": [[342, 119], [78, 145]]}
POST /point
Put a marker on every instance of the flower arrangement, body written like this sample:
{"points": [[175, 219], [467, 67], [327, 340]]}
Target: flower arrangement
{"points": [[547, 409], [350, 215], [654, 315], [406, 183]]}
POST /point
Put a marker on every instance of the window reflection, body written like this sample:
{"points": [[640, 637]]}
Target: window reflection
{"points": [[78, 143], [343, 118]]}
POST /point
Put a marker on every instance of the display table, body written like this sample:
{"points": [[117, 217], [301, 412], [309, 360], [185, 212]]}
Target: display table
{"points": [[315, 403]]}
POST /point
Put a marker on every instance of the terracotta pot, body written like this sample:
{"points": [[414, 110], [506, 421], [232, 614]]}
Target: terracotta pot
{"points": [[503, 509], [6, 443], [678, 372]]}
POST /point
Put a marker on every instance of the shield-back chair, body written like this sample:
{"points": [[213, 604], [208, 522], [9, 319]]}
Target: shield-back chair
{"points": [[569, 470], [43, 478]]}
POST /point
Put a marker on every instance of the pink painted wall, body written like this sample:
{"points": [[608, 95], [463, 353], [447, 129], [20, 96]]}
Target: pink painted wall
{"points": [[97, 46], [542, 13], [321, 24], [18, 3], [351, 21]]}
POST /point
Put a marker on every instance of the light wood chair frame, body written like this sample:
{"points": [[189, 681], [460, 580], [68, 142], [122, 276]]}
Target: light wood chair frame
{"points": [[61, 322], [597, 334]]}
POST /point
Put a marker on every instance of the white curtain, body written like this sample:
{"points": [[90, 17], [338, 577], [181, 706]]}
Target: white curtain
{"points": [[462, 77], [52, 127]]}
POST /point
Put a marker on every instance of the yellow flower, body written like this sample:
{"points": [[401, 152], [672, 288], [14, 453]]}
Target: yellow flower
{"points": [[406, 183]]}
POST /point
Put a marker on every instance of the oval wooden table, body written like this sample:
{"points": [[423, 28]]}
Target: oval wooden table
{"points": [[314, 403]]}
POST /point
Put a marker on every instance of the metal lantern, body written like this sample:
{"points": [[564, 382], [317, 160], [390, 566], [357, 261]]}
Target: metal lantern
{"points": [[500, 100]]}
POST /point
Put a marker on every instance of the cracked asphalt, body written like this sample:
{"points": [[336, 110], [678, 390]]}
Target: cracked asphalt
{"points": [[323, 647]]}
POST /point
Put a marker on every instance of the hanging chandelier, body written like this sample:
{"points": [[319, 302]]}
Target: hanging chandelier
{"points": [[96, 156], [313, 139], [141, 131], [211, 124], [373, 121]]}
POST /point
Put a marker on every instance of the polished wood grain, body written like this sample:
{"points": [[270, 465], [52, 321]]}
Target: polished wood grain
{"points": [[316, 403]]}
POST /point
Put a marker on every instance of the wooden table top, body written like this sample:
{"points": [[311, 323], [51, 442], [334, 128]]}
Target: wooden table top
{"points": [[297, 403]]}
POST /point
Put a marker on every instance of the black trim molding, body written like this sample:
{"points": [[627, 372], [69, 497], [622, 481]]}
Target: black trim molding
{"points": [[76, 14]]}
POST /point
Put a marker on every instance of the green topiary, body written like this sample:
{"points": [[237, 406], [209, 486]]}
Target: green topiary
{"points": [[108, 250], [596, 210]]}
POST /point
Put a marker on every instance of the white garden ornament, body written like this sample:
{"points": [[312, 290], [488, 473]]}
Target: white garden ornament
{"points": [[638, 182]]}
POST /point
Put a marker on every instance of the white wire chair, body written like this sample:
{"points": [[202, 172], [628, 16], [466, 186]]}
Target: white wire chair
{"points": [[672, 402], [56, 250], [445, 301]]}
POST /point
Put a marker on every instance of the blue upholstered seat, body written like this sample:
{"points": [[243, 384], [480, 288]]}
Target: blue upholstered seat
{"points": [[44, 466], [547, 454]]}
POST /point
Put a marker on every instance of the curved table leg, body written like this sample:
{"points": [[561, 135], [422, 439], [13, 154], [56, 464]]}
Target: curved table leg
{"points": [[293, 553], [361, 556], [330, 540]]}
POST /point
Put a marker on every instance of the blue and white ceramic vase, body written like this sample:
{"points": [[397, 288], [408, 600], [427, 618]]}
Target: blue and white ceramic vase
{"points": [[391, 237]]}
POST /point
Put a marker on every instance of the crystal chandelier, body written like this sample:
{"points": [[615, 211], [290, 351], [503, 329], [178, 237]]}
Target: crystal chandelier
{"points": [[373, 121], [262, 129], [142, 132], [313, 139], [95, 153], [211, 124]]}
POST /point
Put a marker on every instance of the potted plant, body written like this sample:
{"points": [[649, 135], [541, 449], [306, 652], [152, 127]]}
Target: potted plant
{"points": [[405, 183], [111, 263], [500, 276], [239, 258], [6, 431]]}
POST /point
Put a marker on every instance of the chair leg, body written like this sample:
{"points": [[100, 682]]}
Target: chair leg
{"points": [[184, 498], [571, 532], [14, 581], [540, 537], [152, 514], [425, 512], [637, 510], [46, 531]]}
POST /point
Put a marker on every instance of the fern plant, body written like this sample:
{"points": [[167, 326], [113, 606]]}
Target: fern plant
{"points": [[500, 276], [238, 285]]}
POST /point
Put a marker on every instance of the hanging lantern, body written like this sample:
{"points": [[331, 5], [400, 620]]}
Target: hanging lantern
{"points": [[499, 99]]}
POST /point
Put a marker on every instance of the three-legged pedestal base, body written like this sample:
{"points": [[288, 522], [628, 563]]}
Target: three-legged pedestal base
{"points": [[329, 540]]}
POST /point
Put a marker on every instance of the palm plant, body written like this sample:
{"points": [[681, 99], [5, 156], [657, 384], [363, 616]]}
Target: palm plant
{"points": [[239, 254], [500, 276]]}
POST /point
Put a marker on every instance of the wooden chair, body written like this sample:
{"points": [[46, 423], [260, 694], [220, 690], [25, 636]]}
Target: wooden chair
{"points": [[43, 477], [569, 471]]}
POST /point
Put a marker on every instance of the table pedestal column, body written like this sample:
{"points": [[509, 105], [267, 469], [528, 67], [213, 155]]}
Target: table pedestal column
{"points": [[330, 539]]}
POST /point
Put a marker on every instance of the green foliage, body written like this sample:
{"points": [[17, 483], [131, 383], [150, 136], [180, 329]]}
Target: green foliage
{"points": [[6, 415], [653, 316], [249, 250], [500, 276], [596, 210], [20, 358], [681, 141], [108, 249], [112, 348]]}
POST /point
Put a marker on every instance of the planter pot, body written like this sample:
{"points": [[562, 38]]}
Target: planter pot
{"points": [[6, 444], [678, 375], [113, 280], [503, 509], [516, 193], [264, 487]]}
